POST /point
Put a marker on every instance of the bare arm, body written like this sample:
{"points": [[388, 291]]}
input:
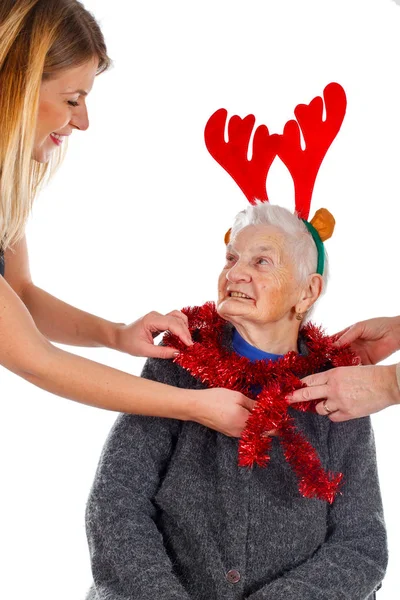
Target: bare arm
{"points": [[65, 324], [55, 319], [28, 353], [25, 351]]}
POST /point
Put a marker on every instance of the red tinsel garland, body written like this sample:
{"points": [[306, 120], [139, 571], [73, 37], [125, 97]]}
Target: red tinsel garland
{"points": [[208, 361]]}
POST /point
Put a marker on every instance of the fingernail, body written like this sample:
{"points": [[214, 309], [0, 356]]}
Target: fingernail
{"points": [[176, 353], [289, 397]]}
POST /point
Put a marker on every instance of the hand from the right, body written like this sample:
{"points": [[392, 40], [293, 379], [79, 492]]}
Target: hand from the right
{"points": [[350, 392], [372, 340]]}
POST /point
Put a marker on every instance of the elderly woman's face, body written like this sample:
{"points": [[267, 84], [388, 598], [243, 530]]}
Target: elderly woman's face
{"points": [[258, 282]]}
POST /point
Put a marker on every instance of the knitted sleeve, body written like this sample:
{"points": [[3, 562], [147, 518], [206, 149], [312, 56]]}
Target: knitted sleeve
{"points": [[126, 548], [352, 561]]}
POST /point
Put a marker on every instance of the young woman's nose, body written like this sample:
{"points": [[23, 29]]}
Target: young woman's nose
{"points": [[80, 118]]}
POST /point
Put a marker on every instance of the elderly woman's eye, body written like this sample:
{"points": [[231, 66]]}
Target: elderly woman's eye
{"points": [[230, 260], [264, 261]]}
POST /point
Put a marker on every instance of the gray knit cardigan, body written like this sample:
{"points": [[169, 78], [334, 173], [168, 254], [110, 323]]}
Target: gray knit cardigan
{"points": [[171, 516]]}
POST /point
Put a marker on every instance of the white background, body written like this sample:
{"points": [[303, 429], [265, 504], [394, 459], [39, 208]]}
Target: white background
{"points": [[135, 220]]}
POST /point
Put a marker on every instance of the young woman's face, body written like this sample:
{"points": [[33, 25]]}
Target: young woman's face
{"points": [[62, 108]]}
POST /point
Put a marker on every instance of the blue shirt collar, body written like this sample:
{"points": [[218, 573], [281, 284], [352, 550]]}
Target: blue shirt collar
{"points": [[245, 349]]}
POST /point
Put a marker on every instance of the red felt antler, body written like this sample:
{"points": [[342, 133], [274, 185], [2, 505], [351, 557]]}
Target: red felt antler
{"points": [[318, 136], [250, 175]]}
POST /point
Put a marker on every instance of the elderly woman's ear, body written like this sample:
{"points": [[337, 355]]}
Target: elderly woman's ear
{"points": [[310, 292]]}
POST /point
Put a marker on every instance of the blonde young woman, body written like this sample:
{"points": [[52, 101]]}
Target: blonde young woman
{"points": [[50, 54]]}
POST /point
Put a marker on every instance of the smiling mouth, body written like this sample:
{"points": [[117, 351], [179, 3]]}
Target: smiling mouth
{"points": [[239, 295], [57, 139]]}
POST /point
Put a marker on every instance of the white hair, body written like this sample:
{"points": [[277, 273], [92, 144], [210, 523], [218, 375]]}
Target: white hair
{"points": [[300, 240]]}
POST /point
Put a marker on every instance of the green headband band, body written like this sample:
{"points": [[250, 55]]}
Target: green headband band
{"points": [[319, 244]]}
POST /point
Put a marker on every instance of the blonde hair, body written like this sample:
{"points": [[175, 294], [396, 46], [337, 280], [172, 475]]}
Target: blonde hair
{"points": [[38, 39]]}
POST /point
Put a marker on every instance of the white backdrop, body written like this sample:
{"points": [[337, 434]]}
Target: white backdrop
{"points": [[134, 221]]}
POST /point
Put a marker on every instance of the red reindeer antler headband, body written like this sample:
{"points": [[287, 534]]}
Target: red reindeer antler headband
{"points": [[303, 165]]}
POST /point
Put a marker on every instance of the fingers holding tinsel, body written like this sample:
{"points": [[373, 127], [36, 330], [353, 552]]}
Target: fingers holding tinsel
{"points": [[305, 405]]}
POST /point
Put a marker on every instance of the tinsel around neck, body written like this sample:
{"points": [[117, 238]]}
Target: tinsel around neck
{"points": [[212, 362]]}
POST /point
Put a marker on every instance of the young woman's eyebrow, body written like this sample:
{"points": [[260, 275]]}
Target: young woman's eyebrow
{"points": [[81, 92]]}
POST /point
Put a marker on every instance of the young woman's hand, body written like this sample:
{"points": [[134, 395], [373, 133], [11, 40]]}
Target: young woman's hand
{"points": [[224, 410], [138, 337]]}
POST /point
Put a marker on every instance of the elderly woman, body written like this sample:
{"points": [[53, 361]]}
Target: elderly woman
{"points": [[171, 515]]}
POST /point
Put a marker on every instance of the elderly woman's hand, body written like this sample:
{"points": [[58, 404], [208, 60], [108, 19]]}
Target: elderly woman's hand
{"points": [[138, 337]]}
